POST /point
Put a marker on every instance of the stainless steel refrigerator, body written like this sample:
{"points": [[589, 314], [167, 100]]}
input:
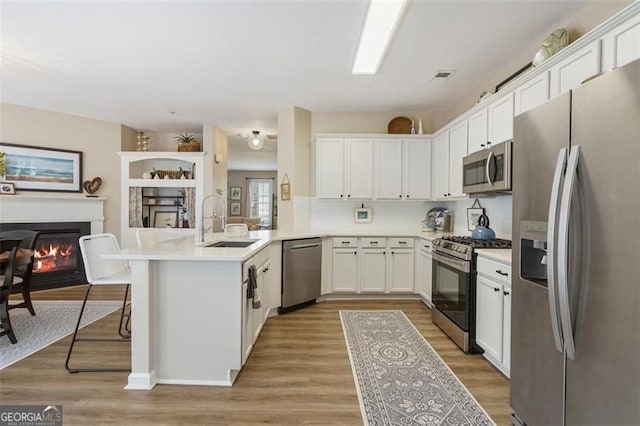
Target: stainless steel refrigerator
{"points": [[575, 332]]}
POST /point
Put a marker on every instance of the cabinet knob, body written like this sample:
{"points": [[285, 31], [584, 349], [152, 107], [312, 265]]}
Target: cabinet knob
{"points": [[449, 194], [384, 252], [407, 195], [393, 252], [341, 195], [355, 252], [444, 195], [506, 293], [349, 196], [400, 195], [488, 143], [481, 144], [496, 290]]}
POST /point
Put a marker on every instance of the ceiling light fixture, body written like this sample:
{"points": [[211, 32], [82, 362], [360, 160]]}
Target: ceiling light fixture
{"points": [[256, 141], [382, 20]]}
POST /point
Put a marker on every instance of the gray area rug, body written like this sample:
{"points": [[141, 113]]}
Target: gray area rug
{"points": [[400, 379], [53, 321]]}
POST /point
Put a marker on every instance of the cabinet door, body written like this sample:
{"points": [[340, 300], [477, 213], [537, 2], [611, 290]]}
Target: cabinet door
{"points": [[345, 270], [506, 332], [570, 73], [373, 270], [441, 166], [389, 169], [426, 269], [501, 119], [330, 168], [247, 325], [258, 316], [417, 169], [626, 42], [401, 264], [532, 93], [478, 131], [359, 168], [489, 323], [457, 151]]}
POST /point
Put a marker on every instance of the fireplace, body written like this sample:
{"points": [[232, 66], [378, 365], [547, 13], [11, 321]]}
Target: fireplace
{"points": [[57, 259]]}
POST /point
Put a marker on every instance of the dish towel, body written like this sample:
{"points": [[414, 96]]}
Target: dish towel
{"points": [[252, 287]]}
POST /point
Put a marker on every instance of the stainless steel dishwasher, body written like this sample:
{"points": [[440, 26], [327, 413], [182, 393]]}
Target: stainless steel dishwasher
{"points": [[301, 272]]}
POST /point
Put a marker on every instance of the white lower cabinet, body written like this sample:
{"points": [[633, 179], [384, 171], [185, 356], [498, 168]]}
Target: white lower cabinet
{"points": [[373, 265], [253, 319], [424, 272], [400, 278], [493, 312], [345, 269]]}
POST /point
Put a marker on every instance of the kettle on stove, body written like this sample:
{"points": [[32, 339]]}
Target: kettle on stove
{"points": [[482, 231]]}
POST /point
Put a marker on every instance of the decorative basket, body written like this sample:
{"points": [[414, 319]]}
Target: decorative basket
{"points": [[189, 147], [173, 174]]}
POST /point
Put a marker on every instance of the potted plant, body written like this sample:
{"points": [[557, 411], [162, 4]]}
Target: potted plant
{"points": [[187, 142]]}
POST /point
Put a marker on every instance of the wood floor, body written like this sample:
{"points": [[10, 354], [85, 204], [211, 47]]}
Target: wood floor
{"points": [[298, 373]]}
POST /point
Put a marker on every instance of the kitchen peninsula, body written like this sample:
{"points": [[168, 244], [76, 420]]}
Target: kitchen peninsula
{"points": [[192, 321]]}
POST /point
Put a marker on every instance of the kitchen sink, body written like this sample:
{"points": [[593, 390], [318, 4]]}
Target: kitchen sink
{"points": [[232, 243]]}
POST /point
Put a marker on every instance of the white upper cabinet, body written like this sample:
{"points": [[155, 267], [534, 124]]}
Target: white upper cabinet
{"points": [[403, 169], [457, 151], [359, 179], [330, 154], [622, 44], [440, 166], [389, 169], [344, 168], [501, 119], [532, 93], [416, 180], [478, 131], [570, 72]]}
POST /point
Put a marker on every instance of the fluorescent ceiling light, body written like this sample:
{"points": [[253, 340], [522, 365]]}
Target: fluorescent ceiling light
{"points": [[382, 19]]}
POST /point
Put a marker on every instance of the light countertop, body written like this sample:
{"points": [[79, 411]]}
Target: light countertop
{"points": [[186, 249], [501, 255]]}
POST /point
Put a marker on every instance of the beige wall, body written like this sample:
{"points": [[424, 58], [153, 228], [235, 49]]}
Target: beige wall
{"points": [[239, 178], [98, 140], [592, 15], [366, 121]]}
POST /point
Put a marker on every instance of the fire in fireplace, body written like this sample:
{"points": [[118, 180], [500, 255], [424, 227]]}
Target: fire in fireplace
{"points": [[57, 259]]}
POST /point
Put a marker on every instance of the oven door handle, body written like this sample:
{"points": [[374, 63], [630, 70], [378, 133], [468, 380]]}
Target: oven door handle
{"points": [[459, 265]]}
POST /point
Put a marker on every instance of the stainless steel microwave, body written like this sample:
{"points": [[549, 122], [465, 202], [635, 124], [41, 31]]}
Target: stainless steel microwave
{"points": [[488, 171]]}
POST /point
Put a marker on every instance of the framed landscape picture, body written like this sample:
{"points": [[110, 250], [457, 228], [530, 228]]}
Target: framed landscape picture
{"points": [[235, 193], [32, 168], [235, 209]]}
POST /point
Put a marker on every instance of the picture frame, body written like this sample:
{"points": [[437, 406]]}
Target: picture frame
{"points": [[32, 168], [165, 219], [235, 193], [7, 188], [362, 215], [235, 209], [473, 213], [285, 188]]}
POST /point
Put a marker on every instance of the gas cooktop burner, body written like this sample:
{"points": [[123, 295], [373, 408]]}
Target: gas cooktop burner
{"points": [[494, 243]]}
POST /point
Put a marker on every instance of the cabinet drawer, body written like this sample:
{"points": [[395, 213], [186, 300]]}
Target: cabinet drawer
{"points": [[373, 242], [494, 270], [424, 245], [401, 242], [345, 242]]}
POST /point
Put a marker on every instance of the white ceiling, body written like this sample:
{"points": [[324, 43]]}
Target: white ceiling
{"points": [[235, 64], [241, 157]]}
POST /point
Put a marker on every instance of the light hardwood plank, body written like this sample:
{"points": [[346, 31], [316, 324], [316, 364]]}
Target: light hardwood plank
{"points": [[298, 373]]}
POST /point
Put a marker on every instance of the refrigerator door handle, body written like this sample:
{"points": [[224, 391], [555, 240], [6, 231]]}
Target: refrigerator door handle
{"points": [[554, 204], [488, 168], [563, 252]]}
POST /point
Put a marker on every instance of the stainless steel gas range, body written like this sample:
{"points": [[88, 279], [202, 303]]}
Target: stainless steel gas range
{"points": [[454, 287]]}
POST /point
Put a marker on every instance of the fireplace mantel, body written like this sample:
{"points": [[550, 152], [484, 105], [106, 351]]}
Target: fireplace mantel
{"points": [[53, 208]]}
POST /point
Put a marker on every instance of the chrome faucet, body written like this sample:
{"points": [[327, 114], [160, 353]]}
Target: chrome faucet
{"points": [[214, 215]]}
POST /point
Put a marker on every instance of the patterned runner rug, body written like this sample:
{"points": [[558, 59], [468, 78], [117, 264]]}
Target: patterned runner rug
{"points": [[400, 379], [53, 321]]}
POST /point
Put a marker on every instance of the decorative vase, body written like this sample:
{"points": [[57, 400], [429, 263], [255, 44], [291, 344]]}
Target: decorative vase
{"points": [[189, 147]]}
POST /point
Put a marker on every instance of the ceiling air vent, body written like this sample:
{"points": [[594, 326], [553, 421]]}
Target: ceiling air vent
{"points": [[442, 75]]}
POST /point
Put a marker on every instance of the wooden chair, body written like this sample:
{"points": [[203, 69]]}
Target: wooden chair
{"points": [[7, 280], [28, 240], [101, 271]]}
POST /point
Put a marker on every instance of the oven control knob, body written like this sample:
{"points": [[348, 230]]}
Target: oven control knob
{"points": [[463, 249]]}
